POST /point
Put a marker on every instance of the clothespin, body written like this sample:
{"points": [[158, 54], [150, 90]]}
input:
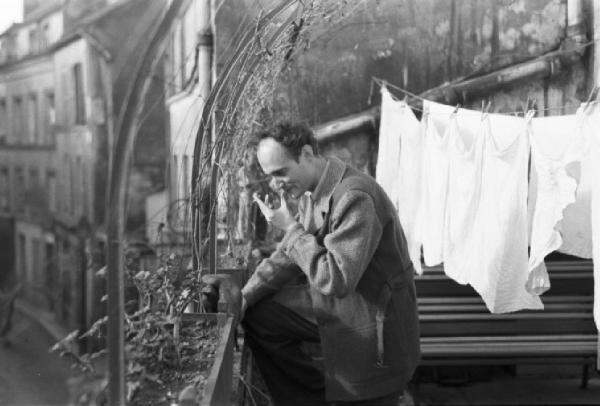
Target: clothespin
{"points": [[485, 109], [455, 110], [526, 107], [529, 115], [404, 101], [370, 98]]}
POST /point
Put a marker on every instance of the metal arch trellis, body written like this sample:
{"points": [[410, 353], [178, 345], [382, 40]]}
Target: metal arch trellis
{"points": [[202, 148], [282, 39]]}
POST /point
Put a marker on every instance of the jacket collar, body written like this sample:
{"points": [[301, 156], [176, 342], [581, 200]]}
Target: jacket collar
{"points": [[332, 175]]}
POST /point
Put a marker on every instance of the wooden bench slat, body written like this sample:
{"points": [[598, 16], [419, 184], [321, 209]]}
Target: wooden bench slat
{"points": [[509, 349], [539, 339], [507, 316], [476, 308], [477, 300]]}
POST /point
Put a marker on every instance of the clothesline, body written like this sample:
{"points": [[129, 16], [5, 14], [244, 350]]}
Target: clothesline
{"points": [[384, 83]]}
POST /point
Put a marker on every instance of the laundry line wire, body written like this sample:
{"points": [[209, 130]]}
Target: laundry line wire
{"points": [[384, 83]]}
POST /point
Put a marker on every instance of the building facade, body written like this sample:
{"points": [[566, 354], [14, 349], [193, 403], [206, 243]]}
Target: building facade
{"points": [[64, 73]]}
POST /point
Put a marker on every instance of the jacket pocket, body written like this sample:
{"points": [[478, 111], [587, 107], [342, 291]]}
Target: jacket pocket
{"points": [[351, 354]]}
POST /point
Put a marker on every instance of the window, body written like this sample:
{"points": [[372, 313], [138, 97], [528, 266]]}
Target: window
{"points": [[33, 197], [175, 176], [34, 178], [44, 36], [23, 257], [4, 189], [51, 190], [65, 183], [79, 185], [32, 119], [50, 271], [79, 102], [17, 119], [36, 265], [3, 121], [49, 118], [83, 176], [19, 190], [33, 40], [72, 185]]}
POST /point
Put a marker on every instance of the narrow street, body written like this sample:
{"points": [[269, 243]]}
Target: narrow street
{"points": [[29, 374]]}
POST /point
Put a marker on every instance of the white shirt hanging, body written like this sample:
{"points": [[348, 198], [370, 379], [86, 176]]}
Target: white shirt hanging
{"points": [[465, 152], [591, 126], [501, 220], [399, 167], [436, 118], [556, 142], [388, 156]]}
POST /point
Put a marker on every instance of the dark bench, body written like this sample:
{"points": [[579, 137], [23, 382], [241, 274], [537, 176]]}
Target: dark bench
{"points": [[457, 329]]}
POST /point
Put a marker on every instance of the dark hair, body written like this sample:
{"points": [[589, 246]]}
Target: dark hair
{"points": [[293, 136]]}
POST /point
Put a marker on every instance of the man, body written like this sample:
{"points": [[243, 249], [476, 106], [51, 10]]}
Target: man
{"points": [[340, 277]]}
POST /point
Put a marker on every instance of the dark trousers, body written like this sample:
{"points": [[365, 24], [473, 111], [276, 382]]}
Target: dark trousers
{"points": [[275, 335]]}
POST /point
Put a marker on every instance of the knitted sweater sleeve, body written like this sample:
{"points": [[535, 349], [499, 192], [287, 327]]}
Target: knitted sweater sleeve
{"points": [[336, 266]]}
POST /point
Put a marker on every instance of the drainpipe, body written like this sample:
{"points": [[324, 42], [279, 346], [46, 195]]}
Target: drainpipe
{"points": [[575, 21], [204, 200]]}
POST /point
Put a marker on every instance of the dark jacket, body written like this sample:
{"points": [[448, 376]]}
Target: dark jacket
{"points": [[350, 248]]}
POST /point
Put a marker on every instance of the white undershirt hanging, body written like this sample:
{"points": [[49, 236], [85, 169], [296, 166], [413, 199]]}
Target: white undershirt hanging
{"points": [[591, 130], [410, 182], [491, 252], [388, 156], [401, 178], [556, 143], [436, 118], [502, 217], [465, 152]]}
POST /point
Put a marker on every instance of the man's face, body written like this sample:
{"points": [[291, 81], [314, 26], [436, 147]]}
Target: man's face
{"points": [[294, 177]]}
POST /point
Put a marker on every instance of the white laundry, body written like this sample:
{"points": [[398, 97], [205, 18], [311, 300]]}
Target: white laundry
{"points": [[485, 235], [556, 142], [501, 221], [465, 151], [590, 128], [410, 182], [388, 156], [401, 176], [436, 119], [576, 228]]}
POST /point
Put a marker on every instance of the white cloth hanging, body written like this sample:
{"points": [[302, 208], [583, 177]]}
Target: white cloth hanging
{"points": [[465, 152], [591, 126], [436, 119], [388, 155], [501, 219], [575, 227], [402, 178], [556, 143], [485, 235]]}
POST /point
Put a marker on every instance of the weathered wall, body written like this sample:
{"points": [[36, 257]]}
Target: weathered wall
{"points": [[415, 45]]}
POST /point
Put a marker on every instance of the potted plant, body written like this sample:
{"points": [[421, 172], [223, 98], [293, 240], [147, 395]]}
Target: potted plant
{"points": [[171, 354]]}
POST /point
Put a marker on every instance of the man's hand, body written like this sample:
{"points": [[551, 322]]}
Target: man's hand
{"points": [[281, 217]]}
